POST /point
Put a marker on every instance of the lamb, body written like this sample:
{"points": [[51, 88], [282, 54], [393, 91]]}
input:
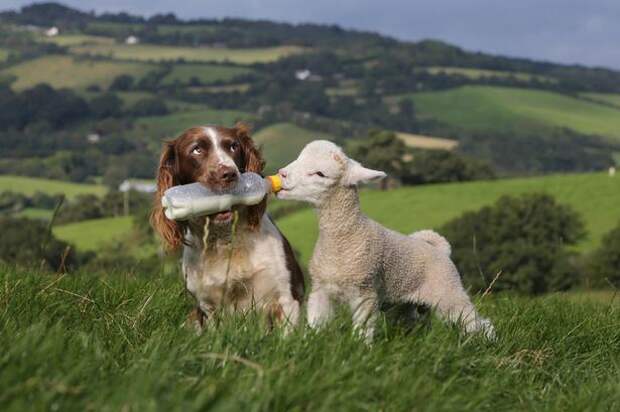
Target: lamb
{"points": [[363, 264]]}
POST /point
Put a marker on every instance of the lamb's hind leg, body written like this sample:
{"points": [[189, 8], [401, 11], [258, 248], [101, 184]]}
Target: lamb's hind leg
{"points": [[452, 304]]}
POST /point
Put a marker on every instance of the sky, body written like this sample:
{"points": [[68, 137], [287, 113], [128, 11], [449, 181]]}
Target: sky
{"points": [[565, 31]]}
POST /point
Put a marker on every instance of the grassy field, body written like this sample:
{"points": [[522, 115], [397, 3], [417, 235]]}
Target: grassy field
{"points": [[594, 196], [115, 342], [282, 142], [427, 142], [35, 213], [206, 73], [505, 109], [92, 234], [608, 98], [145, 52], [68, 40], [4, 55], [65, 71], [30, 185], [481, 73]]}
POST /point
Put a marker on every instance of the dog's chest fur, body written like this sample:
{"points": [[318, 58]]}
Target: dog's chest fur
{"points": [[234, 273]]}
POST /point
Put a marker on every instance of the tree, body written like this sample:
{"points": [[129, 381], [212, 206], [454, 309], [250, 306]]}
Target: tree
{"points": [[123, 82], [29, 242], [604, 264], [523, 237], [106, 105], [435, 166], [382, 150], [150, 106]]}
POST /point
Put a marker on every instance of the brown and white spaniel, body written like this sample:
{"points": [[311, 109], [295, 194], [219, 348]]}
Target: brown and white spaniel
{"points": [[252, 268]]}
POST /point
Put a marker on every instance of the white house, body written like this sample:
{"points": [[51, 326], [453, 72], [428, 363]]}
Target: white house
{"points": [[131, 40], [144, 186], [52, 32]]}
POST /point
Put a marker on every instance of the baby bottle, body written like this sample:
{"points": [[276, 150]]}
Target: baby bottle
{"points": [[186, 201]]}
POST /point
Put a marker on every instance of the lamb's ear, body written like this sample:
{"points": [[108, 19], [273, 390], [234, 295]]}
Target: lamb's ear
{"points": [[356, 174]]}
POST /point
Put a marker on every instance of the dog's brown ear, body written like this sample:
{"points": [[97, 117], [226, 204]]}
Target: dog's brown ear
{"points": [[252, 162], [167, 176]]}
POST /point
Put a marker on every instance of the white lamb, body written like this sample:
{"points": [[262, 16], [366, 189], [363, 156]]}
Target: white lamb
{"points": [[361, 263]]}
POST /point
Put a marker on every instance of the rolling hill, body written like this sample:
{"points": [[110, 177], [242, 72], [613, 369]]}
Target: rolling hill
{"points": [[507, 109], [31, 185], [282, 142], [67, 71], [89, 235], [595, 196], [153, 53]]}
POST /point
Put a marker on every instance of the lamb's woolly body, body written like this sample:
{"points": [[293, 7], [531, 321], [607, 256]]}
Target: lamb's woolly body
{"points": [[359, 262]]}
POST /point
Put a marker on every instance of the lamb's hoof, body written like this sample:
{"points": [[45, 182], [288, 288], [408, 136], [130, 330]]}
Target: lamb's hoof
{"points": [[485, 327]]}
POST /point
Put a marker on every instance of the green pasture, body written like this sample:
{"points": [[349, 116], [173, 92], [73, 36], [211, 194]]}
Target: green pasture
{"points": [[607, 98], [93, 234], [30, 185], [595, 196], [147, 52], [71, 72], [182, 74], [508, 109]]}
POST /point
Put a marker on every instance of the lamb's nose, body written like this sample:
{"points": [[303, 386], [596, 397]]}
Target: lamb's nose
{"points": [[282, 172]]}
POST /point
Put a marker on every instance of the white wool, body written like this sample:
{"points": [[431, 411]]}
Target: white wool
{"points": [[357, 261]]}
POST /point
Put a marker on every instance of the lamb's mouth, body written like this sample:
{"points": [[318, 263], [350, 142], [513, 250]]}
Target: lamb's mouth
{"points": [[222, 217]]}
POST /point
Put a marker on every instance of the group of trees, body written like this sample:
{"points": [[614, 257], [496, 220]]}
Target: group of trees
{"points": [[383, 150]]}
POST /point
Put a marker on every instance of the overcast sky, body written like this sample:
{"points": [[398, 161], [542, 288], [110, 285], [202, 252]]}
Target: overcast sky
{"points": [[565, 31]]}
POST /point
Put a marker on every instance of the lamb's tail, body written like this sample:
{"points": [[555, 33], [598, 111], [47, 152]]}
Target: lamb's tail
{"points": [[434, 239]]}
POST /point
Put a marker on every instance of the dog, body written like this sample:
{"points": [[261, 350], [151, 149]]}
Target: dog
{"points": [[235, 260]]}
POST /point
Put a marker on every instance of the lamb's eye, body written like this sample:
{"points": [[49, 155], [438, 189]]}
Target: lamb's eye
{"points": [[320, 174], [197, 150]]}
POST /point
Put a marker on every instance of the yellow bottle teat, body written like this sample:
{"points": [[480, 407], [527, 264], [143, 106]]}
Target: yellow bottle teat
{"points": [[276, 183]]}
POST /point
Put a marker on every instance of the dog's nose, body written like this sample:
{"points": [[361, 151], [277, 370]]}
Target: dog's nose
{"points": [[226, 174]]}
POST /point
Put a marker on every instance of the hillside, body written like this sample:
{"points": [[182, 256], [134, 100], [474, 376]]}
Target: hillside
{"points": [[507, 109], [594, 196], [30, 185]]}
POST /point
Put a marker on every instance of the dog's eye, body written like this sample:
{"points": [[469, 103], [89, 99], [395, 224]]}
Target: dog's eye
{"points": [[197, 150], [319, 174], [234, 146]]}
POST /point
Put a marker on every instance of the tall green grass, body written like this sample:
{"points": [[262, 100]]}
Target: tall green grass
{"points": [[86, 342]]}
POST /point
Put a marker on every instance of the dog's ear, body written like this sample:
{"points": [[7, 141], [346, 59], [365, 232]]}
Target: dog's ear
{"points": [[252, 162], [356, 174], [167, 176]]}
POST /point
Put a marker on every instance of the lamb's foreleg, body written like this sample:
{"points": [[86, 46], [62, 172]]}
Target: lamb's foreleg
{"points": [[365, 309], [320, 308]]}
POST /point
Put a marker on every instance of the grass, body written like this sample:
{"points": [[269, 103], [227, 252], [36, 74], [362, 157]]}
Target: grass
{"points": [[65, 71], [146, 52], [68, 40], [506, 109], [35, 213], [594, 196], [282, 142], [427, 142], [95, 233], [4, 55], [607, 98], [114, 342], [206, 73], [30, 185], [481, 73]]}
